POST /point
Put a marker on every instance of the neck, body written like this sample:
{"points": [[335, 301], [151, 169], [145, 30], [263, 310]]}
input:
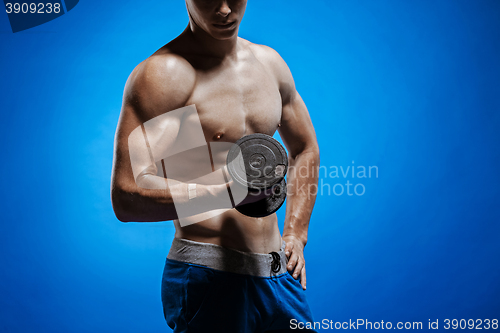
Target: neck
{"points": [[210, 46]]}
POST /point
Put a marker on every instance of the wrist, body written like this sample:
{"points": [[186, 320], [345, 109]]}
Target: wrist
{"points": [[302, 239]]}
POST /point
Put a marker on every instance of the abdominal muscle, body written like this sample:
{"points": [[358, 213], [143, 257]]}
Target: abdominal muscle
{"points": [[230, 229], [235, 231]]}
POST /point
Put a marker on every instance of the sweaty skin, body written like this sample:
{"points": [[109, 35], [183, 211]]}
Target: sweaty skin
{"points": [[239, 88]]}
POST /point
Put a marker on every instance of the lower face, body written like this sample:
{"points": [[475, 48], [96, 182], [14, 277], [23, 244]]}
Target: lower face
{"points": [[221, 31], [204, 15]]}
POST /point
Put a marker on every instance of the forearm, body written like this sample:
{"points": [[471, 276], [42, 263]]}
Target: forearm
{"points": [[302, 189], [154, 199]]}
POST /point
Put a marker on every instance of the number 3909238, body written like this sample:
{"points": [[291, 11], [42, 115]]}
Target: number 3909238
{"points": [[33, 8]]}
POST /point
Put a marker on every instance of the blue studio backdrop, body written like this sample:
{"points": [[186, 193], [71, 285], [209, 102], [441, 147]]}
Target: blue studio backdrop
{"points": [[408, 90]]}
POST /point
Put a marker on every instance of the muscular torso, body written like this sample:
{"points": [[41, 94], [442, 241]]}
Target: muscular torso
{"points": [[234, 98]]}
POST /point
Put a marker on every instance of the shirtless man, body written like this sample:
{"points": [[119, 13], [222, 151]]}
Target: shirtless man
{"points": [[238, 88]]}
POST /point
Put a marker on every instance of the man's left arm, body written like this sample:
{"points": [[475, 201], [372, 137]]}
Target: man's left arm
{"points": [[299, 137]]}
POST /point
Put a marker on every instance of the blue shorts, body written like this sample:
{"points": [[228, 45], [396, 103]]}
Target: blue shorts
{"points": [[209, 288]]}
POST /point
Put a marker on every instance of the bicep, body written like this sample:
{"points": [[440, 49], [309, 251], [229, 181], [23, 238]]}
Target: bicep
{"points": [[141, 145], [148, 125], [297, 130], [129, 153]]}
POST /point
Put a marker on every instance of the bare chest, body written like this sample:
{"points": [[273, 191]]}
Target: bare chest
{"points": [[236, 101]]}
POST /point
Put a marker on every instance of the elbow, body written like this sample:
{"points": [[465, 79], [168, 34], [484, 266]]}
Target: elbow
{"points": [[122, 216], [316, 154], [119, 203], [308, 152], [131, 205], [312, 150]]}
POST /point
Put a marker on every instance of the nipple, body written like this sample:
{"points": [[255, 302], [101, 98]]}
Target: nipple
{"points": [[218, 135]]}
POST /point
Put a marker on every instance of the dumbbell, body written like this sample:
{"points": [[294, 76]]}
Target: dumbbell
{"points": [[259, 163]]}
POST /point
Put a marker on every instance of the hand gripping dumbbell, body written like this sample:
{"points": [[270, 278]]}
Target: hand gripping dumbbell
{"points": [[259, 163]]}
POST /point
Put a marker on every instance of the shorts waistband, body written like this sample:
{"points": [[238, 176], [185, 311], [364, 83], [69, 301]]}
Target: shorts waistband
{"points": [[228, 260]]}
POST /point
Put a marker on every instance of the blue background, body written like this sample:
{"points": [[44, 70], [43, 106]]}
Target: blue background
{"points": [[412, 87]]}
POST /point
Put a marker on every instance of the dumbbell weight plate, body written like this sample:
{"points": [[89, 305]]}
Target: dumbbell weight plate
{"points": [[264, 161], [266, 206]]}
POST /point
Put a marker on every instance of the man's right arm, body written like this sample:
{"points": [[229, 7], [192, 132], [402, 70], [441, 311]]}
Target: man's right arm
{"points": [[160, 84]]}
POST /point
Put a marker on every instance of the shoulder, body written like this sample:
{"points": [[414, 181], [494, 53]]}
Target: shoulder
{"points": [[270, 58], [161, 83], [275, 64], [264, 53]]}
